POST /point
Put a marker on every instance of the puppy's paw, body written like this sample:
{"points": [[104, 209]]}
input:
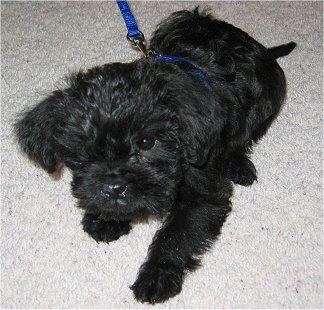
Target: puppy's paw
{"points": [[242, 171], [106, 231], [157, 282]]}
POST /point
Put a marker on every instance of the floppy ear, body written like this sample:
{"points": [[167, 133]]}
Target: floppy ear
{"points": [[50, 132], [199, 140], [37, 129], [201, 120]]}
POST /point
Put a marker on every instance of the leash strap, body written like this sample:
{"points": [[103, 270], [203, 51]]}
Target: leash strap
{"points": [[129, 19], [134, 35]]}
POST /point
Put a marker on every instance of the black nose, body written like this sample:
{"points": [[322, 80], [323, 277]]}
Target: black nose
{"points": [[114, 190]]}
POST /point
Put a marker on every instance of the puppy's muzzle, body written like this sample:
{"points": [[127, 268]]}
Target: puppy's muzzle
{"points": [[114, 190]]}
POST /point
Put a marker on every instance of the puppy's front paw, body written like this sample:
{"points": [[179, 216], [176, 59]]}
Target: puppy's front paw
{"points": [[106, 231], [157, 282]]}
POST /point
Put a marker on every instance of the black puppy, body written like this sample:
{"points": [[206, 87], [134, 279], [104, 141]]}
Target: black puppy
{"points": [[162, 135]]}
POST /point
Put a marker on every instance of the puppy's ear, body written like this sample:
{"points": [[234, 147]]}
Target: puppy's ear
{"points": [[37, 128], [199, 142], [201, 122]]}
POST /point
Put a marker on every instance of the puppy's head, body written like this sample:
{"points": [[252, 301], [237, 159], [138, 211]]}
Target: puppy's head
{"points": [[127, 133], [121, 141]]}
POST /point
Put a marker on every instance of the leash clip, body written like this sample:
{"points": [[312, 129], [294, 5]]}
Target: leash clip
{"points": [[140, 43]]}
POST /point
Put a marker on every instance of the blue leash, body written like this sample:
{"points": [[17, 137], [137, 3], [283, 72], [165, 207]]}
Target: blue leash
{"points": [[134, 35], [136, 38], [129, 19]]}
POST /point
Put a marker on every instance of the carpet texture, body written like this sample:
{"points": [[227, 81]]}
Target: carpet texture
{"points": [[270, 252]]}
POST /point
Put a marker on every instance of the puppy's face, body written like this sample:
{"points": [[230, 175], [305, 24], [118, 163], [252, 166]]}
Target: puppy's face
{"points": [[121, 141]]}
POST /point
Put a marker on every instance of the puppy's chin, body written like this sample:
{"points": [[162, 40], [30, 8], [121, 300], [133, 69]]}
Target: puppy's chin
{"points": [[113, 204], [129, 207]]}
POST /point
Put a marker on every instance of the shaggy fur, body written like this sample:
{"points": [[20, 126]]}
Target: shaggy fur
{"points": [[149, 137]]}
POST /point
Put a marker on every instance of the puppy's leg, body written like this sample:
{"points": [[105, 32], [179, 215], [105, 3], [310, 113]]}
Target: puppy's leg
{"points": [[102, 230], [241, 170], [187, 233]]}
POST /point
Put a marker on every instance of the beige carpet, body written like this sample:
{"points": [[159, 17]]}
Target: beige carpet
{"points": [[270, 254]]}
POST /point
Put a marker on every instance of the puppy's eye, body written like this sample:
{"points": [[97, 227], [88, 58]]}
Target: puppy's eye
{"points": [[146, 143]]}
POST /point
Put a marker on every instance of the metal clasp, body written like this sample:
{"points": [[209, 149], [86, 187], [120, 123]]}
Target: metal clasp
{"points": [[140, 43]]}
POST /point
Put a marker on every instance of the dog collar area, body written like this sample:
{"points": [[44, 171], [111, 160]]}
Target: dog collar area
{"points": [[195, 71], [137, 39]]}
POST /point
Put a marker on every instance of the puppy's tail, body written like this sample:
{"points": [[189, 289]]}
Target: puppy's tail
{"points": [[282, 50]]}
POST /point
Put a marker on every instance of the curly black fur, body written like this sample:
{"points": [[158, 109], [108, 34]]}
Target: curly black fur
{"points": [[148, 137]]}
